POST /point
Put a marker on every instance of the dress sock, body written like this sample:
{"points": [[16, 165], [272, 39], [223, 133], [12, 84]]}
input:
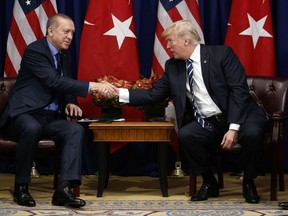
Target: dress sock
{"points": [[208, 177]]}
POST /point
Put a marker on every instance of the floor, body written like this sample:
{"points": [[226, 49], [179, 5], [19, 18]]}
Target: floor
{"points": [[138, 187]]}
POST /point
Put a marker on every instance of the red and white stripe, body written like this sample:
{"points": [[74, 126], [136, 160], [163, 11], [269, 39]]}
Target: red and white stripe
{"points": [[25, 29], [186, 10]]}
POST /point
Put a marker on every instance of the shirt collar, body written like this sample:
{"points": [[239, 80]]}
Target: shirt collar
{"points": [[52, 48], [195, 56]]}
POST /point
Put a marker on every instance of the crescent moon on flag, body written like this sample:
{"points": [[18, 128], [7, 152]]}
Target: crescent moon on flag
{"points": [[88, 23]]}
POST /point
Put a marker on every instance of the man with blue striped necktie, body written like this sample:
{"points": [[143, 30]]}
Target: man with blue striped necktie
{"points": [[212, 103]]}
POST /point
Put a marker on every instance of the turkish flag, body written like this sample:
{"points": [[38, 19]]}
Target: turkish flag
{"points": [[250, 34], [108, 47]]}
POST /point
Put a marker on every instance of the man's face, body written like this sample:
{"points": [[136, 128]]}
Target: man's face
{"points": [[62, 35], [176, 46]]}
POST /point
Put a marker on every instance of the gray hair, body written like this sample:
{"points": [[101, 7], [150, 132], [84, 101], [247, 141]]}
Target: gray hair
{"points": [[53, 20], [183, 28]]}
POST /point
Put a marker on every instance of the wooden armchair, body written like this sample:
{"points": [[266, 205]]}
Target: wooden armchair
{"points": [[272, 94]]}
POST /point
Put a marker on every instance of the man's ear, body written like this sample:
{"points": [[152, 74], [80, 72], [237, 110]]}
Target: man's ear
{"points": [[50, 31], [186, 42]]}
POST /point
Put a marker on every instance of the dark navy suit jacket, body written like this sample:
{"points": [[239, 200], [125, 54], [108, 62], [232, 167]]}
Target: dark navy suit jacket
{"points": [[224, 78], [38, 82]]}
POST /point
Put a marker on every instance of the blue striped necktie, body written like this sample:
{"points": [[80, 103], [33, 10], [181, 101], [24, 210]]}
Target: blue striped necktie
{"points": [[58, 99], [58, 59], [195, 108]]}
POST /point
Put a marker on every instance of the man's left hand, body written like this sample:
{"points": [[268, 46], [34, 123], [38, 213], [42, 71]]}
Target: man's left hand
{"points": [[229, 139], [73, 110]]}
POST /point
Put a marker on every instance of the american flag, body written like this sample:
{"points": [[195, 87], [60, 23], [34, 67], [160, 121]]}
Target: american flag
{"points": [[28, 23], [170, 11]]}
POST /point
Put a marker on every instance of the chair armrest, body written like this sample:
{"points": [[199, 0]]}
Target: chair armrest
{"points": [[73, 118], [282, 115]]}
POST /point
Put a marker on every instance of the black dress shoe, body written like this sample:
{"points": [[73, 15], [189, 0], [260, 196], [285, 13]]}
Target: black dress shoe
{"points": [[250, 193], [65, 197], [206, 191], [22, 196], [283, 205]]}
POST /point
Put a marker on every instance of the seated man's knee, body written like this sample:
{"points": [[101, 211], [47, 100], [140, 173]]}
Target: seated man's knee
{"points": [[254, 135], [32, 128], [75, 128], [182, 136]]}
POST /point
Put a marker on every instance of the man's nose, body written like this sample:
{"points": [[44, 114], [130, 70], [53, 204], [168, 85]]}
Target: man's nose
{"points": [[70, 35]]}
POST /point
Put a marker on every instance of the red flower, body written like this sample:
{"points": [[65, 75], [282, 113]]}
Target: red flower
{"points": [[142, 83]]}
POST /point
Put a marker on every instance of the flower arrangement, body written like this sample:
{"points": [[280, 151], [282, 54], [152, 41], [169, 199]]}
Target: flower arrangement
{"points": [[142, 83], [145, 83]]}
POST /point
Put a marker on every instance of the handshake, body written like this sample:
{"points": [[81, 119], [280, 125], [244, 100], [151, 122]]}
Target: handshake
{"points": [[105, 89]]}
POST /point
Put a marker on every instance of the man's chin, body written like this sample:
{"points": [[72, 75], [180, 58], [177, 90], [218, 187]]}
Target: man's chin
{"points": [[178, 57], [66, 45]]}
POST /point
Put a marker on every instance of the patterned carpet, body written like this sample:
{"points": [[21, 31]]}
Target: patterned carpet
{"points": [[141, 196], [147, 207]]}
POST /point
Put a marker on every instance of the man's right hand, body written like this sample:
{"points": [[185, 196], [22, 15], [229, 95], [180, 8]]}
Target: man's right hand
{"points": [[105, 89]]}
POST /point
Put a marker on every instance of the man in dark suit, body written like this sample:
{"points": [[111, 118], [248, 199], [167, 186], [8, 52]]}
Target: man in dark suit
{"points": [[44, 94], [219, 108]]}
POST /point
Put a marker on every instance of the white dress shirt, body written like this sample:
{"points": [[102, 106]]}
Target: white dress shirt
{"points": [[206, 105]]}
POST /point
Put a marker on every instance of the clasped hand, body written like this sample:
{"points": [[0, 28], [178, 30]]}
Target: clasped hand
{"points": [[105, 89]]}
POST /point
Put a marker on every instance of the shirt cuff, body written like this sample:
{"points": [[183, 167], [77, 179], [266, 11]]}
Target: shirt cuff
{"points": [[123, 95], [234, 126]]}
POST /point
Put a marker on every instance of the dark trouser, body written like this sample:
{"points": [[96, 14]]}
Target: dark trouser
{"points": [[195, 140], [28, 129]]}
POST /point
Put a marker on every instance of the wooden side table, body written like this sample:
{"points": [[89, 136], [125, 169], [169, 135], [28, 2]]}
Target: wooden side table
{"points": [[152, 132]]}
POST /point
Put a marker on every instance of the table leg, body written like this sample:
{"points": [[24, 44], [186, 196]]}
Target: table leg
{"points": [[102, 160], [162, 164]]}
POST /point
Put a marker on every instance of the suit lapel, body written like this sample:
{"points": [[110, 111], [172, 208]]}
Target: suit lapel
{"points": [[65, 63], [48, 52], [181, 78], [51, 59], [205, 66]]}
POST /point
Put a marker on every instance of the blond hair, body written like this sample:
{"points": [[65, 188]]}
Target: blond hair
{"points": [[183, 28]]}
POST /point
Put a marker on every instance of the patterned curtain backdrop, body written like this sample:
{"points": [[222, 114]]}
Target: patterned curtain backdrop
{"points": [[214, 18]]}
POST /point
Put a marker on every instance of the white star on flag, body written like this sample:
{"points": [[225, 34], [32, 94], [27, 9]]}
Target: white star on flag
{"points": [[256, 29], [28, 2], [121, 30]]}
